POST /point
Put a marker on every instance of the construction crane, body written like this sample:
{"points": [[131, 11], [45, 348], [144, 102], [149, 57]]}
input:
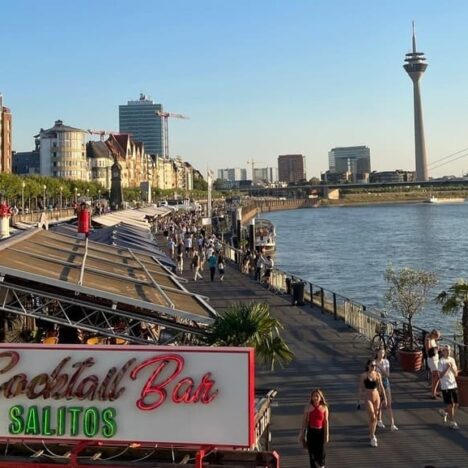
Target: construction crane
{"points": [[165, 118], [103, 133], [252, 164]]}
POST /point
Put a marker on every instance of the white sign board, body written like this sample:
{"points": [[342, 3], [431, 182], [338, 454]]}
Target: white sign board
{"points": [[206, 221], [144, 394]]}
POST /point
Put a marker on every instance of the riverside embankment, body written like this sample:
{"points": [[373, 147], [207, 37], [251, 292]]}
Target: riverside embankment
{"points": [[328, 356], [254, 207]]}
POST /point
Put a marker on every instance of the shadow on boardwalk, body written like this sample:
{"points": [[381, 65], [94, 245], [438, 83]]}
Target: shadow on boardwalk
{"points": [[328, 356]]}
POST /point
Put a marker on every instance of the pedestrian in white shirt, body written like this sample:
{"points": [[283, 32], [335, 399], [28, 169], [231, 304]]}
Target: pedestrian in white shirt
{"points": [[448, 383]]}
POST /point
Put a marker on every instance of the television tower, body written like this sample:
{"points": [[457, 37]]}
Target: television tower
{"points": [[415, 66]]}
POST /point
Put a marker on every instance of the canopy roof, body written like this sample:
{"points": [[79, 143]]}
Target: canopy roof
{"points": [[95, 272]]}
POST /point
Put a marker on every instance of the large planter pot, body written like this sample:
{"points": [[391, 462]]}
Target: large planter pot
{"points": [[462, 382], [410, 361]]}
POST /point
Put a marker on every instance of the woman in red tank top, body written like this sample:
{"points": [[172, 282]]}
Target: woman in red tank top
{"points": [[314, 432]]}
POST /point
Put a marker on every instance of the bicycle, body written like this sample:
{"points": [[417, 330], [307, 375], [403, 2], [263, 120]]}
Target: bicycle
{"points": [[383, 340]]}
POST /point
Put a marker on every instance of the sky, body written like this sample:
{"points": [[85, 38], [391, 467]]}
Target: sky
{"points": [[258, 78]]}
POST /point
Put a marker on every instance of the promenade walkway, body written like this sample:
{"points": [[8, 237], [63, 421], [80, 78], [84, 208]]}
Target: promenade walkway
{"points": [[329, 356]]}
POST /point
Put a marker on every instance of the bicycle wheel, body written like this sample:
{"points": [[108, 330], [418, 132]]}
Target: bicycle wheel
{"points": [[391, 347], [377, 343]]}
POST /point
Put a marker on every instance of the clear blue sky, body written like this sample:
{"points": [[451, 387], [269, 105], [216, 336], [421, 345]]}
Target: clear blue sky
{"points": [[257, 78]]}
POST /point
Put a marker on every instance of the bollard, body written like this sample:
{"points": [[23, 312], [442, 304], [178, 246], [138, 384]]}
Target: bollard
{"points": [[311, 289], [335, 315], [322, 300]]}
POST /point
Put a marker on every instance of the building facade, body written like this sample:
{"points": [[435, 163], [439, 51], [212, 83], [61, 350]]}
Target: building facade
{"points": [[291, 168], [62, 152], [232, 174], [398, 176], [264, 175], [100, 161], [354, 160], [139, 119], [5, 138]]}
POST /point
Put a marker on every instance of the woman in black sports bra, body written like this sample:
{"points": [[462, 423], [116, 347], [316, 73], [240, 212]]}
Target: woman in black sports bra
{"points": [[370, 387]]}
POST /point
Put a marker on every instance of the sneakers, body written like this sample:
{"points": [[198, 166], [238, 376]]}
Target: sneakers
{"points": [[373, 442], [393, 428], [381, 424], [453, 425], [443, 414]]}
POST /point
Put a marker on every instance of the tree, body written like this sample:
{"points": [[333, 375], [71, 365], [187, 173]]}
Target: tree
{"points": [[453, 300], [251, 324], [407, 294]]}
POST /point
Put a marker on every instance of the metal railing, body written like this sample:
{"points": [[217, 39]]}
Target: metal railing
{"points": [[356, 315]]}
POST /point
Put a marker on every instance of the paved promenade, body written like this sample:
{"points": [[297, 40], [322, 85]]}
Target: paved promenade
{"points": [[329, 356]]}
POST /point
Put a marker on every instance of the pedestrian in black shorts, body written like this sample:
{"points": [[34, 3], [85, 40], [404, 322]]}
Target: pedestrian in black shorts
{"points": [[448, 383]]}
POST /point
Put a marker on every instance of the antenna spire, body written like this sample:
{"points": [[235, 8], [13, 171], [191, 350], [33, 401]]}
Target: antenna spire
{"points": [[414, 39]]}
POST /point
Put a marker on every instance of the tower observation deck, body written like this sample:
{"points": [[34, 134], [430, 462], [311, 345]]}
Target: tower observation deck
{"points": [[415, 66]]}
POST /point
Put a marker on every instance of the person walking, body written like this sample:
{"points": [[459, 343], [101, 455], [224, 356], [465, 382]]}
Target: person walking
{"points": [[180, 263], [431, 347], [315, 431], [196, 266], [212, 261], [171, 247], [448, 372], [221, 267], [370, 386], [383, 368]]}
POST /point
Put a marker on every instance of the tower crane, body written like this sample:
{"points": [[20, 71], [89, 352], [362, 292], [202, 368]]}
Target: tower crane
{"points": [[103, 133], [165, 119]]}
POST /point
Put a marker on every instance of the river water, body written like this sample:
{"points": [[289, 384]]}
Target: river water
{"points": [[347, 249]]}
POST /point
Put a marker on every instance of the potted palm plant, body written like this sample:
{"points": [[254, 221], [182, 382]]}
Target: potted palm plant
{"points": [[454, 300], [251, 324], [407, 294]]}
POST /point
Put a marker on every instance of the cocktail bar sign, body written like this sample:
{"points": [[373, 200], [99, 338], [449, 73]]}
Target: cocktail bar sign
{"points": [[145, 394]]}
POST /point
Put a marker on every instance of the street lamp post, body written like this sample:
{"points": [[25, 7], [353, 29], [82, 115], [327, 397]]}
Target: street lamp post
{"points": [[23, 184], [76, 198], [61, 197], [44, 197]]}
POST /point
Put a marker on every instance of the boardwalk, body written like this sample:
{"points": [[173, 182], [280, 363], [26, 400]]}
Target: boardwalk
{"points": [[329, 356]]}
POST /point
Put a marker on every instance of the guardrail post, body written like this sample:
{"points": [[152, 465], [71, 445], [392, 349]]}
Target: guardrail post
{"points": [[335, 312], [322, 300], [311, 289]]}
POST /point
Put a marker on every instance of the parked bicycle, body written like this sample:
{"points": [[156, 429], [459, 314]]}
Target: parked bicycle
{"points": [[392, 341]]}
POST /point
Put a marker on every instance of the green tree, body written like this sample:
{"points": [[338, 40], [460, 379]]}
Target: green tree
{"points": [[251, 324], [407, 294], [454, 300]]}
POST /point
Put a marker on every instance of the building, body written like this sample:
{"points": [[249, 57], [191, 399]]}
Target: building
{"points": [[139, 119], [264, 175], [291, 168], [389, 177], [100, 161], [415, 66], [354, 160], [62, 152], [5, 138], [232, 174]]}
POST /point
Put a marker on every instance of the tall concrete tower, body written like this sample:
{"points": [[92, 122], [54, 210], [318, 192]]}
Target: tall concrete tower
{"points": [[415, 66]]}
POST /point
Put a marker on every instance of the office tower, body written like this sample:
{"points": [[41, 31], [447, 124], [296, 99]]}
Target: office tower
{"points": [[62, 152], [350, 159], [291, 168], [264, 174], [5, 138], [232, 174], [139, 119], [415, 66]]}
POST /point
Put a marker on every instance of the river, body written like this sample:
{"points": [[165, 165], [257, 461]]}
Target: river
{"points": [[347, 249]]}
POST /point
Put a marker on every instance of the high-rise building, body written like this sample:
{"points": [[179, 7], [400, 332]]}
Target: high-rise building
{"points": [[5, 138], [232, 174], [264, 174], [415, 66], [139, 119], [354, 160], [291, 168], [62, 152]]}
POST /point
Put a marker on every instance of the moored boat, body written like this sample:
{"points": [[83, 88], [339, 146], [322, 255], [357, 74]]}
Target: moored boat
{"points": [[444, 200], [265, 235]]}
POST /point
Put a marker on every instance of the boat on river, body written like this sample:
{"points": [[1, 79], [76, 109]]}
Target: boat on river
{"points": [[265, 235], [444, 200]]}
